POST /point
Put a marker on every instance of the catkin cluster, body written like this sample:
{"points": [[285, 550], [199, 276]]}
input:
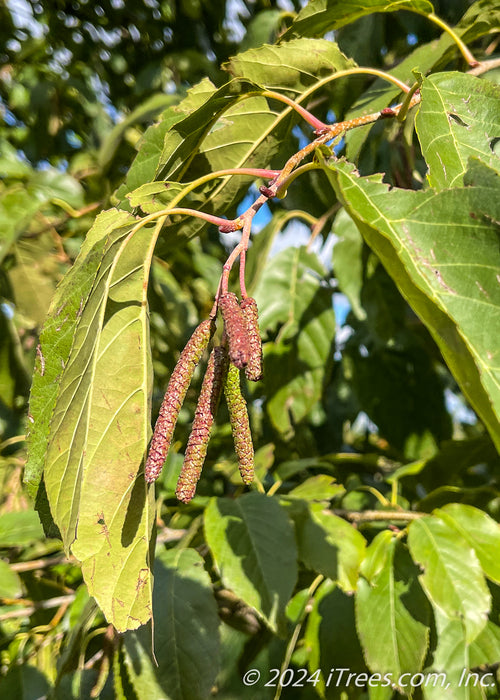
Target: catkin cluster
{"points": [[241, 350]]}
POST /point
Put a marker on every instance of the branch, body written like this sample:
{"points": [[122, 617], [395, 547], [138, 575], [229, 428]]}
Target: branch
{"points": [[355, 516]]}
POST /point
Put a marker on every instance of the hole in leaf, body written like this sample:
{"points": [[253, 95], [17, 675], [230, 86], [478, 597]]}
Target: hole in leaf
{"points": [[495, 145], [458, 120], [455, 118]]}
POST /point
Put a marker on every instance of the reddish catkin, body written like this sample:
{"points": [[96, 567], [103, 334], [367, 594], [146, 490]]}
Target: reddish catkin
{"points": [[174, 398], [240, 425], [236, 330], [204, 417], [253, 370]]}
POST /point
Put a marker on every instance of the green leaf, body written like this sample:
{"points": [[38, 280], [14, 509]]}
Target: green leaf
{"points": [[10, 583], [331, 640], [392, 614], [146, 111], [321, 16], [331, 546], [321, 487], [154, 196], [253, 545], [20, 528], [453, 658], [17, 208], [20, 202], [394, 380], [480, 531], [347, 262], [24, 683], [458, 118], [452, 576], [99, 419], [483, 17], [222, 130], [56, 338], [444, 262], [262, 28], [428, 57], [485, 649], [186, 634], [293, 66], [382, 94], [145, 164], [259, 252], [34, 276], [290, 296], [289, 283]]}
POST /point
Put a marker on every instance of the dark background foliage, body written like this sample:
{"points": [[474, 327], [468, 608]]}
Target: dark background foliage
{"points": [[383, 424]]}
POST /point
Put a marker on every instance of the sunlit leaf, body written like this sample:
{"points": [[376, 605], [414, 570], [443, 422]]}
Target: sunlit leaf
{"points": [[451, 127], [480, 531], [293, 66], [452, 576], [99, 425]]}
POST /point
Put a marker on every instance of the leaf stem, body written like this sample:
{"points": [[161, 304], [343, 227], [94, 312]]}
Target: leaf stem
{"points": [[284, 184], [463, 48], [252, 172], [296, 632], [405, 106], [304, 113]]}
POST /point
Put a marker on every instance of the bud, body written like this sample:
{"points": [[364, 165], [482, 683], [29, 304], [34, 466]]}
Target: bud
{"points": [[253, 370], [204, 417], [240, 425], [174, 398], [236, 330]]}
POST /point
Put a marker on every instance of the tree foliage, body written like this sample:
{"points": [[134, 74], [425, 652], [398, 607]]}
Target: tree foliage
{"points": [[346, 154]]}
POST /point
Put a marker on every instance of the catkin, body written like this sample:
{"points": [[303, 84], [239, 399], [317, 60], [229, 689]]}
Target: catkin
{"points": [[204, 417], [253, 370], [174, 398], [240, 425], [236, 330]]}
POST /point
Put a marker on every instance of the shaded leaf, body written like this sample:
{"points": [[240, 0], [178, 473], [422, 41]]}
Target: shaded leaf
{"points": [[331, 546], [10, 583], [347, 261], [321, 16], [253, 546], [332, 642], [146, 111], [444, 262], [186, 635], [291, 297], [19, 528], [392, 614]]}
